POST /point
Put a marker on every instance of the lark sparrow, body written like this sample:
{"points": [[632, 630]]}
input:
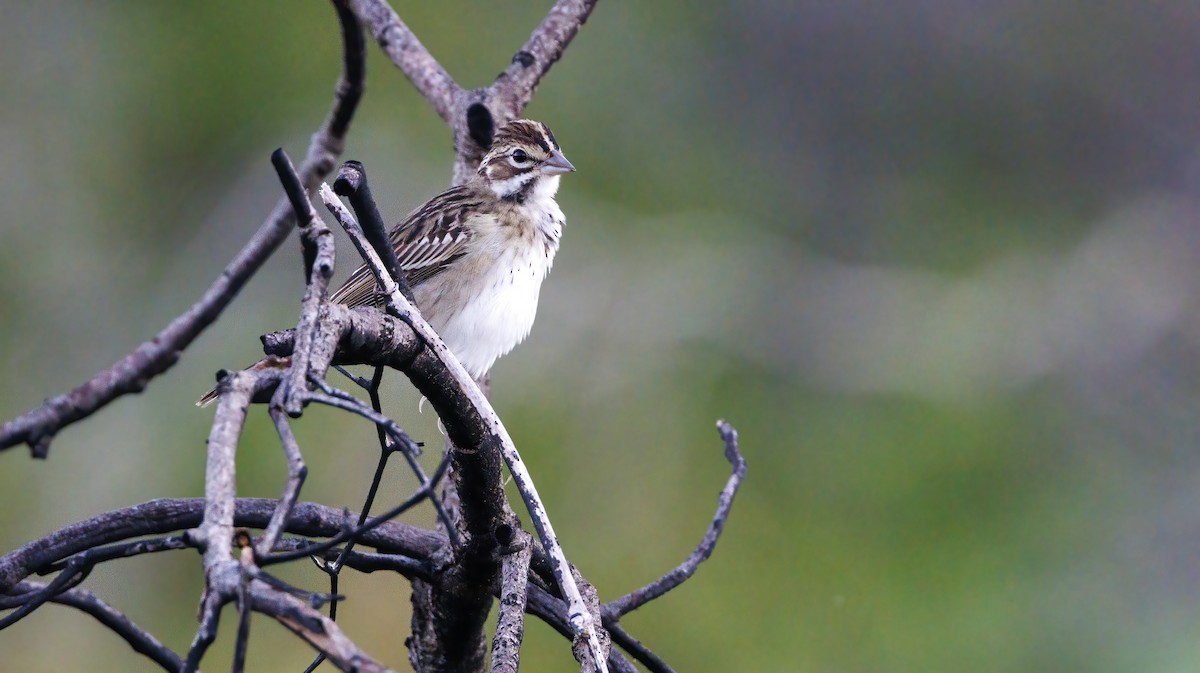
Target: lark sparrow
{"points": [[475, 255]]}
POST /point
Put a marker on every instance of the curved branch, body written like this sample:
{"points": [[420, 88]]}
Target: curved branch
{"points": [[141, 641], [677, 576], [553, 611], [408, 54], [315, 628], [131, 373], [166, 515], [637, 650]]}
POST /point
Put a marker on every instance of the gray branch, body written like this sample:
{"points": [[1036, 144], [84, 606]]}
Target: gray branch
{"points": [[635, 599], [140, 640], [322, 633], [514, 584], [473, 114], [406, 51]]}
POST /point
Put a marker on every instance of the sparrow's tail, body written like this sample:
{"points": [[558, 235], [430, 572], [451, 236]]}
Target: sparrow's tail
{"points": [[208, 398], [269, 362]]}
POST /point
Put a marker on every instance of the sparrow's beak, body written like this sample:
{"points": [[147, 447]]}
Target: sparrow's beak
{"points": [[557, 164]]}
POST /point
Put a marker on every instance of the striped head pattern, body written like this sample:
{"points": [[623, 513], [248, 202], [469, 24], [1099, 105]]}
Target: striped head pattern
{"points": [[523, 151]]}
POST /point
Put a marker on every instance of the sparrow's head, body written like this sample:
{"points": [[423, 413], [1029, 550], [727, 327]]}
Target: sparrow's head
{"points": [[524, 155]]}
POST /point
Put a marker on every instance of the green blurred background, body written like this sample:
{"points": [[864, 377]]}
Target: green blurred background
{"points": [[937, 261]]}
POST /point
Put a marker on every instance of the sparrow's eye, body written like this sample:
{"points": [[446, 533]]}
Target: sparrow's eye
{"points": [[519, 156]]}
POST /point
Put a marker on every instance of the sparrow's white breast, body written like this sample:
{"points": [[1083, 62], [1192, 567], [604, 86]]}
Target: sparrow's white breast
{"points": [[486, 303]]}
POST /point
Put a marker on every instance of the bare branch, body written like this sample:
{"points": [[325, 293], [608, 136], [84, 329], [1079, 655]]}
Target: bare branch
{"points": [[316, 629], [225, 578], [352, 83], [318, 267], [364, 562], [131, 373], [356, 532], [76, 569], [243, 631], [327, 333], [514, 88], [638, 598], [141, 641], [514, 581], [408, 54], [167, 515], [210, 619], [637, 650], [297, 472], [352, 183], [553, 611], [397, 440], [215, 534], [75, 572]]}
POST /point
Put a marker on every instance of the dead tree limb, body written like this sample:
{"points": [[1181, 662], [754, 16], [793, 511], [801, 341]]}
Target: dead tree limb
{"points": [[138, 638]]}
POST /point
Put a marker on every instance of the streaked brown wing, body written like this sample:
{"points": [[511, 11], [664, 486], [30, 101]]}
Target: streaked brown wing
{"points": [[426, 242]]}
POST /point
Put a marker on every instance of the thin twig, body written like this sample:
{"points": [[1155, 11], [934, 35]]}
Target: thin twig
{"points": [[297, 472], [75, 572], [364, 562], [332, 397], [400, 439], [360, 381], [318, 267], [635, 599], [139, 639], [210, 619], [242, 644], [319, 251], [553, 611], [387, 447], [316, 599], [637, 650], [368, 562], [355, 532], [166, 515], [97, 555], [314, 628], [352, 183]]}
